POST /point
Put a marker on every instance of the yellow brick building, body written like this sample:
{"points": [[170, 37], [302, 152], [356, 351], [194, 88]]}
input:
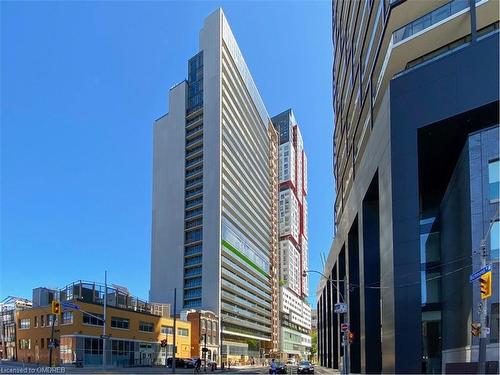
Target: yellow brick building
{"points": [[134, 336]]}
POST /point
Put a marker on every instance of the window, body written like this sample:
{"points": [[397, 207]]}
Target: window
{"points": [[194, 181], [192, 282], [121, 323], [194, 223], [192, 261], [24, 323], [429, 19], [167, 330], [192, 271], [25, 343], [193, 249], [194, 202], [50, 319], [193, 213], [42, 343], [203, 324], [93, 320], [42, 320], [192, 303], [35, 321], [194, 235], [183, 332], [146, 327], [429, 247], [494, 179], [193, 171], [194, 191], [192, 293], [93, 346], [120, 347], [431, 287], [67, 317], [495, 240]]}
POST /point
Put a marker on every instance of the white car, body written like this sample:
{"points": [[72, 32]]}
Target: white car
{"points": [[291, 361]]}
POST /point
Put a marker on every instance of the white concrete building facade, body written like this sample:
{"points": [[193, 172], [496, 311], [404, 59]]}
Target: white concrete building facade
{"points": [[215, 188]]}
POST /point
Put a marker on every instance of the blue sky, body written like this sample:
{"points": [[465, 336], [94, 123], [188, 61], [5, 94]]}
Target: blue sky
{"points": [[81, 84]]}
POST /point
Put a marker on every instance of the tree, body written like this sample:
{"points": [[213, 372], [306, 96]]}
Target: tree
{"points": [[314, 344]]}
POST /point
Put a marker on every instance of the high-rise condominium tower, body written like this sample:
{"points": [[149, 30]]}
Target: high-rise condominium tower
{"points": [[415, 89], [295, 322], [215, 198]]}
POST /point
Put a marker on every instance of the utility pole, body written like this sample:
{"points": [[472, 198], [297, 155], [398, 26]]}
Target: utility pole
{"points": [[483, 315], [56, 311], [340, 308], [175, 329], [345, 335], [205, 351], [104, 340], [4, 351], [51, 347]]}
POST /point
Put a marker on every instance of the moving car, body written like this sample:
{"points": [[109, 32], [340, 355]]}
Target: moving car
{"points": [[305, 367]]}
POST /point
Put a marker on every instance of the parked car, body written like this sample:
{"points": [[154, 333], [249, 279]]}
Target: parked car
{"points": [[280, 368], [189, 363], [305, 367], [181, 363]]}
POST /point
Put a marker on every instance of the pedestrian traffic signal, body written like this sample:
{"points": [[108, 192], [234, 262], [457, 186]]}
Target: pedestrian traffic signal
{"points": [[351, 337], [485, 284], [475, 329], [163, 343], [56, 307]]}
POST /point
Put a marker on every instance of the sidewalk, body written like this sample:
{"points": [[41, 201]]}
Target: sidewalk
{"points": [[139, 370], [325, 370]]}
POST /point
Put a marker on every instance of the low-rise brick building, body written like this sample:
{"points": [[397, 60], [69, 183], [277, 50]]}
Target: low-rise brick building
{"points": [[133, 332]]}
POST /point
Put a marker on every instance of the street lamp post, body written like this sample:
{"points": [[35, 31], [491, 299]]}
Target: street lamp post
{"points": [[341, 310]]}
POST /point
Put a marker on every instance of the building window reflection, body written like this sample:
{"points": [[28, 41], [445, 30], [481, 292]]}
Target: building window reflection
{"points": [[494, 179], [495, 241]]}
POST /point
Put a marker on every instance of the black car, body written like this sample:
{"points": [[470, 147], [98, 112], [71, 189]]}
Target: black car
{"points": [[180, 363], [280, 368], [305, 367]]}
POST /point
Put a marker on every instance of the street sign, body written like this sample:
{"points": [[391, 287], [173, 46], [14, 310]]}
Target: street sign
{"points": [[69, 306], [344, 327], [476, 275], [340, 308]]}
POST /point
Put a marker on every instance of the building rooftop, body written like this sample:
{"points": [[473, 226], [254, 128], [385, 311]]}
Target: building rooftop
{"points": [[116, 296]]}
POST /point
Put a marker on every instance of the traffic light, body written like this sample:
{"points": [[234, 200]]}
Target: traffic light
{"points": [[56, 308], [475, 329], [351, 337], [485, 283]]}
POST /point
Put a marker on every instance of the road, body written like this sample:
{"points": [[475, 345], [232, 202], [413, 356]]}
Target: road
{"points": [[8, 367], [292, 370]]}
